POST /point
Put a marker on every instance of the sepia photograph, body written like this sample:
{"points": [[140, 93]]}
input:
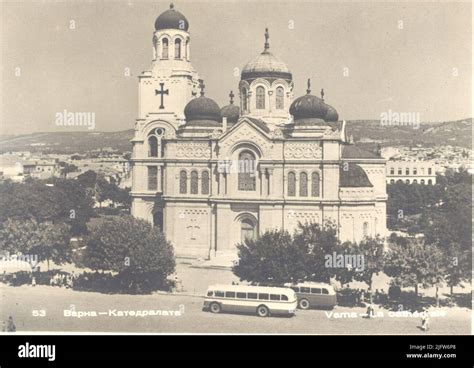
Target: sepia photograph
{"points": [[235, 167]]}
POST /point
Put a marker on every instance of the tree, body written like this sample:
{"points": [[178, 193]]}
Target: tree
{"points": [[414, 263], [458, 265], [133, 249], [321, 240], [273, 258], [372, 252], [47, 241]]}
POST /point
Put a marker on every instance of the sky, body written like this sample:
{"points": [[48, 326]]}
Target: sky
{"points": [[370, 57]]}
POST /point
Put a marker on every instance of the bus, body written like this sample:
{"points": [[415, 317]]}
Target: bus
{"points": [[261, 300], [314, 294]]}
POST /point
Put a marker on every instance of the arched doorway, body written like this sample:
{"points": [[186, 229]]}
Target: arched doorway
{"points": [[248, 229]]}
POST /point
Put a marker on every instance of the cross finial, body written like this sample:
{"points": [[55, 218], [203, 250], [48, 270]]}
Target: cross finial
{"points": [[322, 93], [267, 36], [171, 6], [202, 86], [308, 90], [231, 95]]}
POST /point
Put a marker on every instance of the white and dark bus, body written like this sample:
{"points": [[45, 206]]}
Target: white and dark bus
{"points": [[261, 300]]}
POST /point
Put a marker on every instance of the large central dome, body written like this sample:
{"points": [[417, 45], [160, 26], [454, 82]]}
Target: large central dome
{"points": [[266, 65]]}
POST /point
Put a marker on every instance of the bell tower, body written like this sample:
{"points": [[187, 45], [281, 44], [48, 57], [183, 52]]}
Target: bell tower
{"points": [[171, 81]]}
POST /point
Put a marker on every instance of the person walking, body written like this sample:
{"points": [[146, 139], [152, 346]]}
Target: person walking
{"points": [[11, 325]]}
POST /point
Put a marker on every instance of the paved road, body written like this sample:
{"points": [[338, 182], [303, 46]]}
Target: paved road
{"points": [[22, 302]]}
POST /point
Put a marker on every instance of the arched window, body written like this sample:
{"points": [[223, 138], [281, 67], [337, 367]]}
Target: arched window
{"points": [[415, 171], [407, 171], [246, 168], [407, 181], [365, 229], [315, 184], [247, 229], [422, 181], [183, 182], [244, 99], [392, 171], [392, 181], [164, 53], [177, 48], [205, 182], [186, 55], [303, 184], [260, 97], [280, 101], [152, 146], [194, 182], [430, 181], [291, 184], [399, 171], [415, 181]]}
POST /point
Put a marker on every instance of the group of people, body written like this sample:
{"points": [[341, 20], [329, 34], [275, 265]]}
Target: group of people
{"points": [[62, 280]]}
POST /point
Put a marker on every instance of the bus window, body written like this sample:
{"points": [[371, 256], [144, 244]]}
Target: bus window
{"points": [[325, 291], [242, 295], [219, 293], [296, 289], [304, 290], [315, 291], [274, 297], [230, 294], [263, 296], [252, 295], [284, 297], [209, 293]]}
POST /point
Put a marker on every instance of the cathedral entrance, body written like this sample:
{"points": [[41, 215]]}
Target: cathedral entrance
{"points": [[158, 220], [248, 230]]}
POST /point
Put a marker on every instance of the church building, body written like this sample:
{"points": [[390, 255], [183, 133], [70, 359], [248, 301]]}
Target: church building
{"points": [[211, 177]]}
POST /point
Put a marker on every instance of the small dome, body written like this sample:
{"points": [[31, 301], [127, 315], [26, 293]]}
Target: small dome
{"points": [[266, 65], [171, 19], [202, 111], [332, 114], [231, 111], [308, 107]]}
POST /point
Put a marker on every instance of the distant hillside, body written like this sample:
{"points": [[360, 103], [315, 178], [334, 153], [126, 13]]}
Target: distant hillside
{"points": [[367, 132]]}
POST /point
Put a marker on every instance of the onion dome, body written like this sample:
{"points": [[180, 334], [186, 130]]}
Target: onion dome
{"points": [[266, 65], [171, 19], [231, 111], [309, 108], [202, 111]]}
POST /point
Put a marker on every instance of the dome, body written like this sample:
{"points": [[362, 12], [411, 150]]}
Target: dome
{"points": [[266, 65], [308, 107], [202, 111], [332, 114], [171, 19], [231, 111]]}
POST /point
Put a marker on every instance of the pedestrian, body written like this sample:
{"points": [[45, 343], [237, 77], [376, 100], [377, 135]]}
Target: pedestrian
{"points": [[4, 327], [362, 296], [424, 320], [370, 311], [11, 325], [33, 281]]}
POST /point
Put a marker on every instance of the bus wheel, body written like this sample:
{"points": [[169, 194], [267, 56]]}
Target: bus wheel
{"points": [[304, 304], [262, 311], [215, 308]]}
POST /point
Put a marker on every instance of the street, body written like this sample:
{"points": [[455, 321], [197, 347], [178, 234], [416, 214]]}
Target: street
{"points": [[41, 309]]}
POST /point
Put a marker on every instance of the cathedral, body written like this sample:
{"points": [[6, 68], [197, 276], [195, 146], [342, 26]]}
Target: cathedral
{"points": [[211, 177]]}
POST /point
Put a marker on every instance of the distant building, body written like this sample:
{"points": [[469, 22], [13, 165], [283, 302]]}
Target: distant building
{"points": [[411, 172]]}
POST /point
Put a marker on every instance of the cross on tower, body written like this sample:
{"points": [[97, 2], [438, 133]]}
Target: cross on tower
{"points": [[231, 95], [308, 91], [202, 86], [322, 93], [162, 93], [267, 36]]}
